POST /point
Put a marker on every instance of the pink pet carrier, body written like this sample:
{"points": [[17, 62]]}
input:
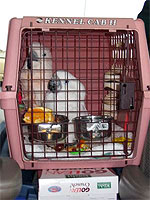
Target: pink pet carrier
{"points": [[76, 92]]}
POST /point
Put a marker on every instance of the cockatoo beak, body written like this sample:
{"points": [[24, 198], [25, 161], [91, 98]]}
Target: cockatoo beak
{"points": [[34, 58], [54, 84]]}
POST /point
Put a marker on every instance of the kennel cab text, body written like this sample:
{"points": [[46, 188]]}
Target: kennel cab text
{"points": [[77, 21]]}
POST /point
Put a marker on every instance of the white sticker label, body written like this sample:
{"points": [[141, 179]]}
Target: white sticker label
{"points": [[95, 127]]}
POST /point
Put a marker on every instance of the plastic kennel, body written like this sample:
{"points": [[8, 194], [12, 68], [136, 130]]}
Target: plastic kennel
{"points": [[76, 92]]}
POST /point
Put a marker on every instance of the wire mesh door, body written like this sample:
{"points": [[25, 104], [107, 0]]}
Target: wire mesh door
{"points": [[79, 93]]}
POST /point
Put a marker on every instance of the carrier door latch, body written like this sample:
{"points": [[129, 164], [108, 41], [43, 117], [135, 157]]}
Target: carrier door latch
{"points": [[127, 96]]}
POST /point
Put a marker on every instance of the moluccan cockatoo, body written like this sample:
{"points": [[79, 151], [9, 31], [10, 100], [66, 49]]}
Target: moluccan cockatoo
{"points": [[36, 74]]}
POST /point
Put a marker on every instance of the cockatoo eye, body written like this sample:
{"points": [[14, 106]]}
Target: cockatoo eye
{"points": [[66, 81], [44, 54]]}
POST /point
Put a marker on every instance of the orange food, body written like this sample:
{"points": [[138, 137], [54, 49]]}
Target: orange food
{"points": [[38, 115]]}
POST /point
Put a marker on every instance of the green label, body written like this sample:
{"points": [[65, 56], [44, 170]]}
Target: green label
{"points": [[103, 185]]}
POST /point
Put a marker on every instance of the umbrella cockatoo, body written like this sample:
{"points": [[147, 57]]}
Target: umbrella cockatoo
{"points": [[66, 96], [38, 67]]}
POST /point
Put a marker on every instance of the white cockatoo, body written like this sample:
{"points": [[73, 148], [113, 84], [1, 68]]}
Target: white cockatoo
{"points": [[66, 96], [38, 67]]}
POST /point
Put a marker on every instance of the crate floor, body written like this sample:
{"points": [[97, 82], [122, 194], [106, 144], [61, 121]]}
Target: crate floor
{"points": [[98, 151]]}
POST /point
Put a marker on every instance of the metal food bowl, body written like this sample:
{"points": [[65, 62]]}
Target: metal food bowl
{"points": [[92, 127], [51, 132]]}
